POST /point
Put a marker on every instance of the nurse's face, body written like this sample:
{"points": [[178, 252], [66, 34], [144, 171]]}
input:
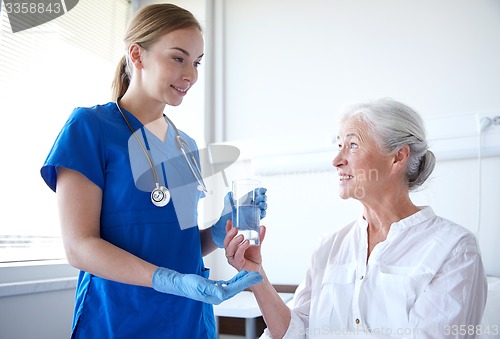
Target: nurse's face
{"points": [[170, 65], [363, 169]]}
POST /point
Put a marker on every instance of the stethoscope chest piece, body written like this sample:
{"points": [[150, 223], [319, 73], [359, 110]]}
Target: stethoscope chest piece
{"points": [[160, 196]]}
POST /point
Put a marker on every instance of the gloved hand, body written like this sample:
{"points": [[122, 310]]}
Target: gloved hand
{"points": [[218, 230], [198, 288]]}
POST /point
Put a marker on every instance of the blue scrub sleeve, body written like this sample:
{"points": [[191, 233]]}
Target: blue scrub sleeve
{"points": [[79, 146]]}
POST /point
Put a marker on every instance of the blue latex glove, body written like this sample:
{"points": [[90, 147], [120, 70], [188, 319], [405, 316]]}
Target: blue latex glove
{"points": [[218, 230], [198, 288]]}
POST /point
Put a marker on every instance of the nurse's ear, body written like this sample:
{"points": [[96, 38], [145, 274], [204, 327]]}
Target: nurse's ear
{"points": [[135, 51]]}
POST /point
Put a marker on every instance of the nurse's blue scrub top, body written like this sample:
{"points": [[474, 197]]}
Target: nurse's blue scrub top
{"points": [[94, 141]]}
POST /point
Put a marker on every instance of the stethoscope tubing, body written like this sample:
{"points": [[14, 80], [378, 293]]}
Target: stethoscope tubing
{"points": [[181, 144], [150, 161]]}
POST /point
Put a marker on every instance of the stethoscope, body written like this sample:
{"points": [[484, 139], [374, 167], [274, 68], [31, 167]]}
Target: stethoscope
{"points": [[160, 195]]}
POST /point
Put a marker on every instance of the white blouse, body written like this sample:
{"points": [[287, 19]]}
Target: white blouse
{"points": [[426, 280]]}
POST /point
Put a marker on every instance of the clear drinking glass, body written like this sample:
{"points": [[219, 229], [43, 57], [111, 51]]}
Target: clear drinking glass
{"points": [[246, 215]]}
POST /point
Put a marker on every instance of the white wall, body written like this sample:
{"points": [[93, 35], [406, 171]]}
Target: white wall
{"points": [[45, 315], [289, 66], [37, 300], [304, 59]]}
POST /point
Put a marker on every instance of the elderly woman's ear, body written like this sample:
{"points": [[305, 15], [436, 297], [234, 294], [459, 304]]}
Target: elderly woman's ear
{"points": [[400, 160]]}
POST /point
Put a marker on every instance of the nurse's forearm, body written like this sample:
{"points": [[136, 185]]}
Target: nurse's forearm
{"points": [[81, 233], [274, 311], [105, 260]]}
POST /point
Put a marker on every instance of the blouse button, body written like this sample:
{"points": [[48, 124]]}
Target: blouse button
{"points": [[361, 277], [357, 321]]}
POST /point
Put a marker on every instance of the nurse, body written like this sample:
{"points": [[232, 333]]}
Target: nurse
{"points": [[141, 265], [398, 270]]}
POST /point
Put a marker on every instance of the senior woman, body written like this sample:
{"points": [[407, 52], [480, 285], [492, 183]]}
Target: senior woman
{"points": [[399, 270]]}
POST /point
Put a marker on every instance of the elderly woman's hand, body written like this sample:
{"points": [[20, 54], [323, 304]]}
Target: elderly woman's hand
{"points": [[239, 253]]}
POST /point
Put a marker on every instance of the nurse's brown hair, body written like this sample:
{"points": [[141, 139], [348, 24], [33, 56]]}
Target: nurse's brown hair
{"points": [[148, 25]]}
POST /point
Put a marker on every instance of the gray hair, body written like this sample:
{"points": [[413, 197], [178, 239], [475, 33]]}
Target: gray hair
{"points": [[395, 125]]}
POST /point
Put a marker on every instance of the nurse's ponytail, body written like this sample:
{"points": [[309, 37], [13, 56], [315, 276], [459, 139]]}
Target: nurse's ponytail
{"points": [[148, 25], [121, 80]]}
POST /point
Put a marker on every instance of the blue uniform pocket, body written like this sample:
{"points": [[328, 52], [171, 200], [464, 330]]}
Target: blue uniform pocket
{"points": [[205, 272]]}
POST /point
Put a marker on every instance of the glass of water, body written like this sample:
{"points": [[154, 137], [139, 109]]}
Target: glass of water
{"points": [[246, 214]]}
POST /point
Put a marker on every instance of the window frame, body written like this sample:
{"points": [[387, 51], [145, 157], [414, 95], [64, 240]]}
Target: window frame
{"points": [[31, 235]]}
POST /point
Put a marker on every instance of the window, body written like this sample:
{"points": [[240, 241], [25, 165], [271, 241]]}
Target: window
{"points": [[45, 72]]}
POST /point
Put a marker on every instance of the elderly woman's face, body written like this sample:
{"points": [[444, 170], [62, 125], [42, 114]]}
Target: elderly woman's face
{"points": [[363, 169]]}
